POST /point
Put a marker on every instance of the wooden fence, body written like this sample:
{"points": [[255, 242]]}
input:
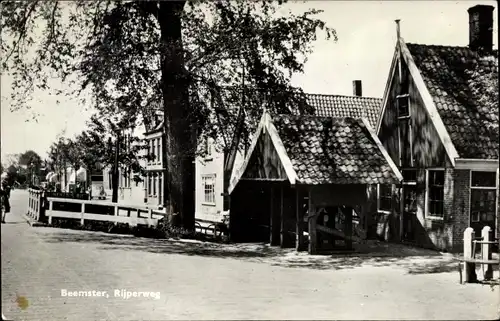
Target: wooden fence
{"points": [[43, 207], [130, 214]]}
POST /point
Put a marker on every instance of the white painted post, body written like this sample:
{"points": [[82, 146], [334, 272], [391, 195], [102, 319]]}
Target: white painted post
{"points": [[469, 268], [82, 217], [486, 250], [116, 214], [150, 217], [50, 212]]}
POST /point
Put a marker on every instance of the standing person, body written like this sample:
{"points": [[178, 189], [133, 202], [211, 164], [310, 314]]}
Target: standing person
{"points": [[5, 195]]}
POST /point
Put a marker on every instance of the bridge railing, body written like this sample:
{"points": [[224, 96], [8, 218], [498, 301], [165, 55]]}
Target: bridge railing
{"points": [[85, 210]]}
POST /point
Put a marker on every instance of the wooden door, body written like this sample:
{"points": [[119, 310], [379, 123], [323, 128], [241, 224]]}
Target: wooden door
{"points": [[410, 219]]}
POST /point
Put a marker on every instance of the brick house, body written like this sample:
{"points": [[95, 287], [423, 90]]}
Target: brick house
{"points": [[439, 123], [210, 202]]}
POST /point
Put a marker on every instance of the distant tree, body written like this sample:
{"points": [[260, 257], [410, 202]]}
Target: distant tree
{"points": [[100, 141], [57, 158], [33, 163]]}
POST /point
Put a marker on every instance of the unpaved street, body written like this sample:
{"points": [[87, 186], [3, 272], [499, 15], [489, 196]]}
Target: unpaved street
{"points": [[198, 280]]}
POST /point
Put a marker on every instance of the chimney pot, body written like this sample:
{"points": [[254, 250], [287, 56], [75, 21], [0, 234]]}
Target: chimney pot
{"points": [[356, 88], [481, 27]]}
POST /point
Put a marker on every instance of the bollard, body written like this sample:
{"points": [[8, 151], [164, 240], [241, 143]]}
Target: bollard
{"points": [[469, 267], [486, 252]]}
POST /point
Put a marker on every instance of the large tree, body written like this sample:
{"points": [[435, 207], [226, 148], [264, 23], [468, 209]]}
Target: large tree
{"points": [[180, 54]]}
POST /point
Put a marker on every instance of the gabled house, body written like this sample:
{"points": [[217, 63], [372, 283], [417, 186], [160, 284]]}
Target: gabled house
{"points": [[210, 199], [439, 124], [307, 174]]}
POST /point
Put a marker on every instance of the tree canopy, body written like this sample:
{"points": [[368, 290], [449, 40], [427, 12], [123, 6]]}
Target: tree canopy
{"points": [[196, 61]]}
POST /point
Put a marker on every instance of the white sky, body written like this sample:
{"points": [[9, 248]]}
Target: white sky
{"points": [[366, 39]]}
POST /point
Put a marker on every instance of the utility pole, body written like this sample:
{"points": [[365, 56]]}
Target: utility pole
{"points": [[114, 197]]}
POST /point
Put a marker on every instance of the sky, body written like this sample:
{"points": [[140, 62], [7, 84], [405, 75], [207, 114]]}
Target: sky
{"points": [[366, 39]]}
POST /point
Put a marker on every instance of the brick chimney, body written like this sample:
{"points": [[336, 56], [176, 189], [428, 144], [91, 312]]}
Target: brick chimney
{"points": [[481, 27], [356, 88]]}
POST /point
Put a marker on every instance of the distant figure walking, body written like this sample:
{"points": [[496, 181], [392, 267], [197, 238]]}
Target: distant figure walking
{"points": [[5, 195]]}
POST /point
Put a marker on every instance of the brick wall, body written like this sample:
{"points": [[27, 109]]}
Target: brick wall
{"points": [[460, 206]]}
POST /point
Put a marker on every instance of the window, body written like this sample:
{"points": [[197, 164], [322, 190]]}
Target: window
{"points": [[150, 182], [160, 189], [209, 188], [154, 185], [384, 197], [483, 197], [435, 194], [403, 102], [409, 176]]}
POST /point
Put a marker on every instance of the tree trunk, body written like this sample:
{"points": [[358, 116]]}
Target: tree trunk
{"points": [[180, 121], [115, 173]]}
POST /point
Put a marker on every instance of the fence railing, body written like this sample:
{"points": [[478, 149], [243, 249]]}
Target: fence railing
{"points": [[85, 210]]}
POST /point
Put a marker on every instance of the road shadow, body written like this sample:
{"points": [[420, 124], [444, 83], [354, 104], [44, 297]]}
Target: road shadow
{"points": [[371, 253]]}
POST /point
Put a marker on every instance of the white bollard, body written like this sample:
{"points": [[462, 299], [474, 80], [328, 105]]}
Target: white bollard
{"points": [[469, 268], [486, 252]]}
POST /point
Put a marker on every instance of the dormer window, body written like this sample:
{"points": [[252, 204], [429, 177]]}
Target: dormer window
{"points": [[403, 105]]}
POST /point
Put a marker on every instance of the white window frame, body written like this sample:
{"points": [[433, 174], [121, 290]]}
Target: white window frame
{"points": [[379, 210], [204, 179], [484, 188], [427, 197]]}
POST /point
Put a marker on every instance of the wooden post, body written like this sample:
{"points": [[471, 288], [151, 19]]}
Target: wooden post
{"points": [[298, 226], [282, 219], [401, 212], [50, 211], [29, 202], [39, 208], [116, 214], [150, 217], [312, 226], [82, 217], [348, 227], [469, 269], [486, 252]]}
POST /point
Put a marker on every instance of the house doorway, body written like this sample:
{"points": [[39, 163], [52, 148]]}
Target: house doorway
{"points": [[483, 200], [410, 219]]}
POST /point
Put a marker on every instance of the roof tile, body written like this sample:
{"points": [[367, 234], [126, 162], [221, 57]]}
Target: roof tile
{"points": [[332, 150], [470, 116]]}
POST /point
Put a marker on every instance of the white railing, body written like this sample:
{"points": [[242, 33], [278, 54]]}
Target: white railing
{"points": [[35, 203], [134, 215]]}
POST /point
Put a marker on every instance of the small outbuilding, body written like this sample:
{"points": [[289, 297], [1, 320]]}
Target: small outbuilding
{"points": [[308, 175]]}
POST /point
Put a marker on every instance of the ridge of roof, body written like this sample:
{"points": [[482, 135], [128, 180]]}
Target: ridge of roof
{"points": [[346, 96]]}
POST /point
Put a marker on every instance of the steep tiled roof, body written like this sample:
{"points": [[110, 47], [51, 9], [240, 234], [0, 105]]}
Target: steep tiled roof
{"points": [[346, 106], [451, 75], [327, 150]]}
